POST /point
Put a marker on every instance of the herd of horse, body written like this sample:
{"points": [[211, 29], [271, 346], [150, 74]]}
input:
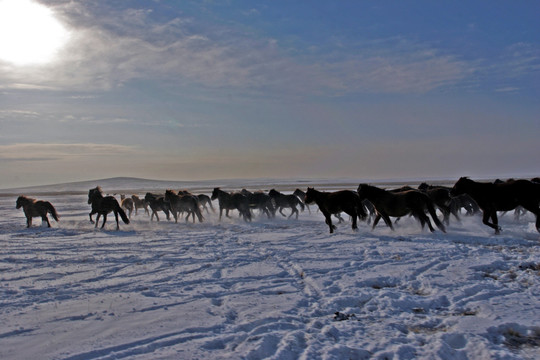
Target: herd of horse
{"points": [[368, 203]]}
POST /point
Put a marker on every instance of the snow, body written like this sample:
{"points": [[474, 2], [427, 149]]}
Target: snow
{"points": [[280, 289]]}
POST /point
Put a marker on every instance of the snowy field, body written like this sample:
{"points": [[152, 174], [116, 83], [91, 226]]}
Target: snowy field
{"points": [[279, 289]]}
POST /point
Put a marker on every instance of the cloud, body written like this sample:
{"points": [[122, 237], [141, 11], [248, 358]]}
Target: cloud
{"points": [[40, 151], [110, 48]]}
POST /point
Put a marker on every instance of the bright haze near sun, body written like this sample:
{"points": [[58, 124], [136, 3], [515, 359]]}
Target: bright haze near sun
{"points": [[29, 33]]}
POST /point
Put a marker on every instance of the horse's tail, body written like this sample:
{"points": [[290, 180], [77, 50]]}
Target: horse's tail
{"points": [[122, 213], [433, 213], [360, 208], [197, 210], [52, 211], [300, 202], [211, 206]]}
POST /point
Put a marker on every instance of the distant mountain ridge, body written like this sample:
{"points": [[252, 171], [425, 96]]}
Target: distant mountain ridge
{"points": [[129, 185]]}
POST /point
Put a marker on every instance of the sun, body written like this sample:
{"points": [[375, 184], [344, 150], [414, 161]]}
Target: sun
{"points": [[29, 33]]}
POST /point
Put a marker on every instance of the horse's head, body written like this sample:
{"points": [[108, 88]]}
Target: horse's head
{"points": [[362, 190], [20, 201], [310, 195], [461, 186], [215, 193], [93, 194]]}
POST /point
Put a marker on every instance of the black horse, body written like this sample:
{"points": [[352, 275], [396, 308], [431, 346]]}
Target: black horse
{"points": [[504, 196], [398, 204], [36, 208], [103, 205], [441, 199], [181, 203], [235, 201], [157, 203], [286, 201], [335, 202], [261, 201]]}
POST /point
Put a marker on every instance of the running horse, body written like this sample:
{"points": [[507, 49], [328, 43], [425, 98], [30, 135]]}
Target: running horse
{"points": [[398, 204], [504, 196], [36, 208], [335, 202], [103, 205]]}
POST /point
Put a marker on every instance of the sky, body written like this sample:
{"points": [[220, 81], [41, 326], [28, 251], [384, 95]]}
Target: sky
{"points": [[201, 90]]}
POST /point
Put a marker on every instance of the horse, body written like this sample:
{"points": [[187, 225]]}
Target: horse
{"points": [[205, 200], [335, 202], [139, 203], [235, 201], [181, 203], [127, 204], [157, 203], [441, 199], [104, 205], [260, 200], [399, 204], [286, 201], [504, 196], [36, 208]]}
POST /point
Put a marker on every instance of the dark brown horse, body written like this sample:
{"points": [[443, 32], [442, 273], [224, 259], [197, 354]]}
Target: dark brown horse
{"points": [[36, 208], [441, 199], [104, 205], [260, 200], [335, 202], [235, 201], [504, 196], [286, 201], [205, 200], [181, 203], [157, 203], [399, 204]]}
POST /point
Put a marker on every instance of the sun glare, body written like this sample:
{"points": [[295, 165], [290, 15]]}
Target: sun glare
{"points": [[29, 33]]}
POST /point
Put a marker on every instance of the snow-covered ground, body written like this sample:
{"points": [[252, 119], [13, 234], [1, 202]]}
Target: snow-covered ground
{"points": [[281, 289]]}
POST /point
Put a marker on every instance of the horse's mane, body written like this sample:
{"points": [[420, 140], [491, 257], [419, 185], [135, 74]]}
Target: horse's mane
{"points": [[23, 197]]}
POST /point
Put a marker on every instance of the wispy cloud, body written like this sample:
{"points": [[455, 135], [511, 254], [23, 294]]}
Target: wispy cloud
{"points": [[39, 151], [109, 49]]}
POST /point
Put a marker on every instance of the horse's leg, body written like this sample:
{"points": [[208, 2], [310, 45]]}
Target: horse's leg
{"points": [[376, 221], [293, 211], [425, 220], [91, 213], [488, 213], [97, 219], [116, 217], [220, 212], [354, 215], [387, 220], [281, 211], [328, 221], [28, 221], [536, 211], [104, 220], [45, 218]]}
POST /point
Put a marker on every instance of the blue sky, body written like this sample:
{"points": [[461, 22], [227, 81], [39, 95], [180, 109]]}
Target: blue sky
{"points": [[282, 89]]}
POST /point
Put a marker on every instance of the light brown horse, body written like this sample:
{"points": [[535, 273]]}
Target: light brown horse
{"points": [[36, 208], [126, 204], [139, 203]]}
